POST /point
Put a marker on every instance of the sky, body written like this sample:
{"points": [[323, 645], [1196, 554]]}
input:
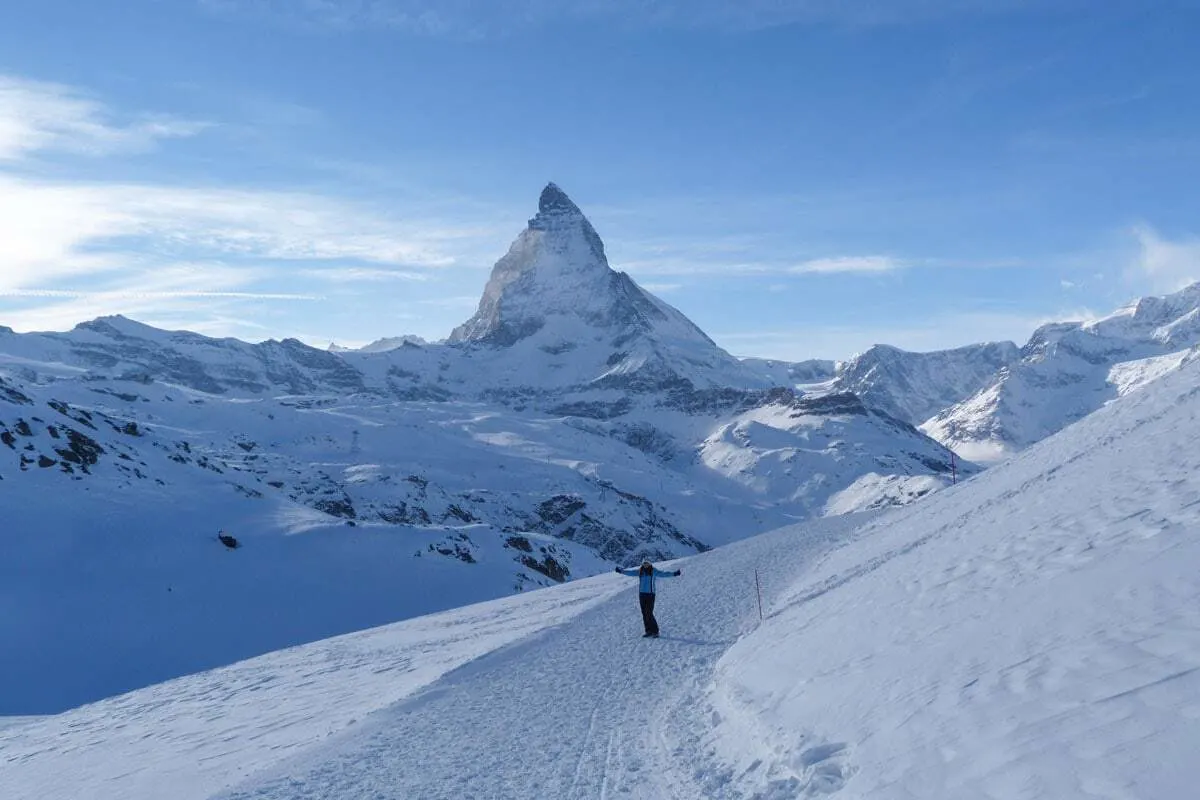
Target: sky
{"points": [[802, 178]]}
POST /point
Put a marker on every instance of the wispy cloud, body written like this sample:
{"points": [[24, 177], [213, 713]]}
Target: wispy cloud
{"points": [[159, 296], [59, 230], [662, 288], [179, 254], [36, 116], [1167, 265], [135, 295], [848, 264], [719, 258], [454, 303], [362, 275]]}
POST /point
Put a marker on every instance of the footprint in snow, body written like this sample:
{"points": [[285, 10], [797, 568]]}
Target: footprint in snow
{"points": [[819, 770]]}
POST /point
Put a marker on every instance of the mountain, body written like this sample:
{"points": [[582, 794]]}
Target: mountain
{"points": [[381, 345], [554, 294], [574, 423], [1029, 633], [1070, 369], [916, 386], [794, 374]]}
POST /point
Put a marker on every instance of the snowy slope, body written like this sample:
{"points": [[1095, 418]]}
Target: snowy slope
{"points": [[569, 711], [212, 730], [794, 374], [1031, 633], [908, 386], [575, 422], [1067, 371], [111, 577], [357, 511], [916, 386]]}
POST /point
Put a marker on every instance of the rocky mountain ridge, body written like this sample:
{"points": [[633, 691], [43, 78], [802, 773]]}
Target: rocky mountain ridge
{"points": [[1068, 370]]}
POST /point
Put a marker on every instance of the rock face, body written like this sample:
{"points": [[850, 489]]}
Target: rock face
{"points": [[555, 267], [1070, 369], [916, 386]]}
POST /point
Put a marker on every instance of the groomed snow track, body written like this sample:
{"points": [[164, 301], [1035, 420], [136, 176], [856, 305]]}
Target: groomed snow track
{"points": [[597, 712]]}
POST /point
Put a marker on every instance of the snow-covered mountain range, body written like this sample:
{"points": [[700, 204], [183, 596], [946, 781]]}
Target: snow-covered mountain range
{"points": [[915, 386], [1067, 371], [988, 401], [1030, 633], [574, 422]]}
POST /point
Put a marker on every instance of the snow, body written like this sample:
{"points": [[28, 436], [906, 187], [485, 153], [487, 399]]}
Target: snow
{"points": [[797, 375], [369, 487], [1032, 633], [1067, 371], [865, 491], [195, 736], [444, 496], [1130, 376], [916, 386]]}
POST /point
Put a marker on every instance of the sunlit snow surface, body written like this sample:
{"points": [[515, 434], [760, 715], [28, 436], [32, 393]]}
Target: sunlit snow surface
{"points": [[355, 507], [1069, 369], [575, 422], [1031, 633]]}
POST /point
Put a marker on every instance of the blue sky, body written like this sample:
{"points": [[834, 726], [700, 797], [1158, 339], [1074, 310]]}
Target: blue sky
{"points": [[803, 178]]}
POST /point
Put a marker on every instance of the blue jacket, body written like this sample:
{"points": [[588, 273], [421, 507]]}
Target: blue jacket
{"points": [[646, 582]]}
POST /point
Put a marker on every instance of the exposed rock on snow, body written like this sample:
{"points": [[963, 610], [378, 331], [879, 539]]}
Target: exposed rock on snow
{"points": [[915, 386]]}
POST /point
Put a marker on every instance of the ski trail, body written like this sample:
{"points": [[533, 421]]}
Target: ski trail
{"points": [[591, 731], [594, 696], [607, 766], [201, 734]]}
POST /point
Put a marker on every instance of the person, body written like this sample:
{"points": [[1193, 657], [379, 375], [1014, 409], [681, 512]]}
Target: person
{"points": [[646, 574]]}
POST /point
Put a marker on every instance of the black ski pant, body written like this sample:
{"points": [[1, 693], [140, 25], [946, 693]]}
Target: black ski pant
{"points": [[646, 600]]}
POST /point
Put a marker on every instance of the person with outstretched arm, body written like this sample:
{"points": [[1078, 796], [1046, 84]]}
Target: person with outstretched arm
{"points": [[646, 574]]}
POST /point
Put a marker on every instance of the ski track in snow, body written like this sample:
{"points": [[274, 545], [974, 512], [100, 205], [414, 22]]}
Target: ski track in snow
{"points": [[599, 712]]}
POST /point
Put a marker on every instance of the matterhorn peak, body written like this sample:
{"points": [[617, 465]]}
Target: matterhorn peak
{"points": [[558, 212], [554, 293], [555, 201], [556, 266]]}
